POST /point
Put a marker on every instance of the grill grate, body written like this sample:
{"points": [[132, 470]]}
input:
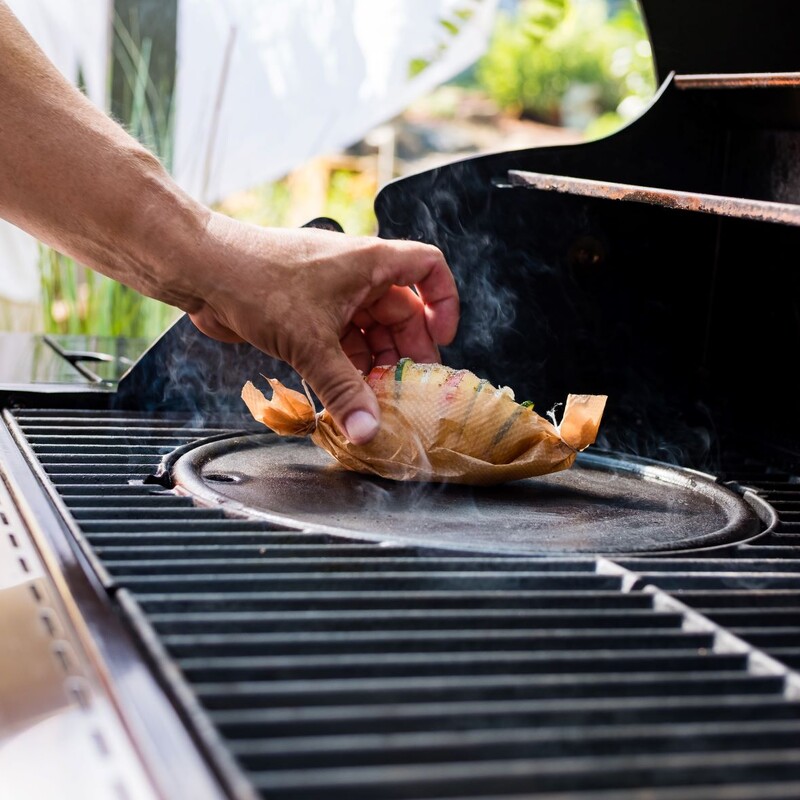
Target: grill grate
{"points": [[345, 669]]}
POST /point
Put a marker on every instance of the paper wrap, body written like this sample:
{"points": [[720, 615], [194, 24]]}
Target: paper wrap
{"points": [[440, 424]]}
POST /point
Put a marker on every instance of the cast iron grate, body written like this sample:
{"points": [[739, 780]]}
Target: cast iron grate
{"points": [[335, 668]]}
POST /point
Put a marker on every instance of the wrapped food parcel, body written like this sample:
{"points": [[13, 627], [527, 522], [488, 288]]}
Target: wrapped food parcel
{"points": [[440, 424]]}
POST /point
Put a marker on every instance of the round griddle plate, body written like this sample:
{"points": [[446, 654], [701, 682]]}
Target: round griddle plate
{"points": [[603, 504]]}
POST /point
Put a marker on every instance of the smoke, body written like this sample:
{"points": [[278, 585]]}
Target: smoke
{"points": [[185, 371], [555, 300]]}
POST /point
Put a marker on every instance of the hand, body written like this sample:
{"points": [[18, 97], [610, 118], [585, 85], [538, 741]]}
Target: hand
{"points": [[331, 305], [327, 303]]}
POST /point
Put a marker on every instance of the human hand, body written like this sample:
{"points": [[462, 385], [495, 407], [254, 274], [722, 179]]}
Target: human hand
{"points": [[326, 303], [331, 305]]}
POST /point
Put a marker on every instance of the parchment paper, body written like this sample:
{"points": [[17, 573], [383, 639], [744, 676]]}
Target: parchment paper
{"points": [[440, 424]]}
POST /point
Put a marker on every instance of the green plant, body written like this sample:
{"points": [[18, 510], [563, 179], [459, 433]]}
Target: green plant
{"points": [[349, 200], [81, 301], [450, 27], [548, 47], [148, 109], [76, 299]]}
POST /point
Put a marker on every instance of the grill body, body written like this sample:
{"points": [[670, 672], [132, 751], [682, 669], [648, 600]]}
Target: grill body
{"points": [[248, 656], [309, 665]]}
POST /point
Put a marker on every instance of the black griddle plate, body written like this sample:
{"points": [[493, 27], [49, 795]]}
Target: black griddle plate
{"points": [[603, 504]]}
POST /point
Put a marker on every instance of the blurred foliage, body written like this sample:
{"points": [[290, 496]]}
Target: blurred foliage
{"points": [[569, 62], [80, 301], [146, 105], [349, 200], [450, 26], [76, 299]]}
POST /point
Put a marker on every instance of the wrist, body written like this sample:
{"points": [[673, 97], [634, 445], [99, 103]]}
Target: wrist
{"points": [[166, 234]]}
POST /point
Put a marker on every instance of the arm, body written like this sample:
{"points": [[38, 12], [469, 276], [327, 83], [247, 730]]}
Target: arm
{"points": [[328, 304]]}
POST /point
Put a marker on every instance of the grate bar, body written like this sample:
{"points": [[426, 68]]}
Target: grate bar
{"points": [[108, 454], [121, 492], [704, 602], [220, 527], [385, 564], [315, 752], [563, 713], [391, 641], [737, 619], [429, 619], [262, 538], [369, 580], [725, 580], [446, 780], [143, 496], [99, 479], [159, 513], [121, 467], [708, 567], [248, 668], [266, 601], [758, 790], [227, 553], [66, 442], [376, 691]]}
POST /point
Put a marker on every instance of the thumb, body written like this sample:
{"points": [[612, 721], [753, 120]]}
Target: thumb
{"points": [[344, 394]]}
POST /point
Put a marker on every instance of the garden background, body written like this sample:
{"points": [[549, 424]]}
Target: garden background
{"points": [[526, 74]]}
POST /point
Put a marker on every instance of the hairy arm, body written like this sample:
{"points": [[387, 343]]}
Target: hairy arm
{"points": [[330, 305], [76, 180]]}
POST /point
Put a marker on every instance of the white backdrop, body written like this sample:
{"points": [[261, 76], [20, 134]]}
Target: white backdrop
{"points": [[263, 85], [75, 36]]}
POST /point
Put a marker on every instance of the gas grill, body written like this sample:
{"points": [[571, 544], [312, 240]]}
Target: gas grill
{"points": [[192, 607]]}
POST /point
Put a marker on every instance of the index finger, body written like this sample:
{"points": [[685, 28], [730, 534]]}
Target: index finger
{"points": [[424, 267]]}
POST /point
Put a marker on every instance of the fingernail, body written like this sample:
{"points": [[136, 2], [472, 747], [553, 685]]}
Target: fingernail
{"points": [[360, 426]]}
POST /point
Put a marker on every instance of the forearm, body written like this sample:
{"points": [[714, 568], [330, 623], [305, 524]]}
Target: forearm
{"points": [[76, 180], [328, 304]]}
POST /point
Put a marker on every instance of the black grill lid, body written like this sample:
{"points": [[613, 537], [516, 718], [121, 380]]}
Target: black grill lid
{"points": [[706, 36], [604, 503]]}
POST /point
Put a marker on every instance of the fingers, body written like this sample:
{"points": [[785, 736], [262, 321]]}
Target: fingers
{"points": [[402, 312], [357, 349], [343, 392], [426, 268], [381, 343]]}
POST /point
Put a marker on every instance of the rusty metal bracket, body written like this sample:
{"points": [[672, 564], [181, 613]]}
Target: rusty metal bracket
{"points": [[739, 80], [737, 207]]}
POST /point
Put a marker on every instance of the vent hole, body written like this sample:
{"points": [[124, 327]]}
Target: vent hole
{"points": [[219, 477], [3, 518], [13, 540], [79, 693], [60, 653], [48, 622]]}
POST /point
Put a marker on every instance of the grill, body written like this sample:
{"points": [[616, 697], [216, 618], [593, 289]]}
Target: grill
{"points": [[309, 664], [625, 629]]}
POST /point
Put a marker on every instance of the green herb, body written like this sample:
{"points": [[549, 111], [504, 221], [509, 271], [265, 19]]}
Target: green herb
{"points": [[401, 365]]}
